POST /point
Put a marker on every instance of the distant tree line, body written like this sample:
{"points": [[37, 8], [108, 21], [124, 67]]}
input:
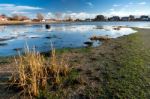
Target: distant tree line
{"points": [[117, 18], [16, 17], [19, 17], [40, 18]]}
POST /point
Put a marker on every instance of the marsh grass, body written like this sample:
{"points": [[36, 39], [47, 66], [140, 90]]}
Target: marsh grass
{"points": [[34, 72]]}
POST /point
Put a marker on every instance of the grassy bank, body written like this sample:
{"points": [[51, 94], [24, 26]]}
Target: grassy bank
{"points": [[117, 69]]}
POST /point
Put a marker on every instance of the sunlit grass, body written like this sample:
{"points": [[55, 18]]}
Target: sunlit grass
{"points": [[34, 71]]}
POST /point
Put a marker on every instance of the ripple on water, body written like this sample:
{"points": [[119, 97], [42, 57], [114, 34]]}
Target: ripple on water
{"points": [[3, 44], [7, 38]]}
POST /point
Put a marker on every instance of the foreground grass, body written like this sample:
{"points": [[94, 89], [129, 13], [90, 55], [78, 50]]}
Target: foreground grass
{"points": [[34, 74], [127, 77]]}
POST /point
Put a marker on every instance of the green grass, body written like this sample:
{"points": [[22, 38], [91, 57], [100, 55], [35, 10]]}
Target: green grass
{"points": [[69, 81], [72, 78], [124, 73], [5, 60], [64, 50], [80, 50], [127, 79]]}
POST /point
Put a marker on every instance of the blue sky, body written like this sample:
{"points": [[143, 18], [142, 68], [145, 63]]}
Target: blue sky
{"points": [[75, 8]]}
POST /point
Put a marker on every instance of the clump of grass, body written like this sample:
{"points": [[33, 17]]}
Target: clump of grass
{"points": [[31, 73], [74, 79], [57, 67], [34, 72]]}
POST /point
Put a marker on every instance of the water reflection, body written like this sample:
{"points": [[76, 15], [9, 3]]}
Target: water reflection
{"points": [[63, 35]]}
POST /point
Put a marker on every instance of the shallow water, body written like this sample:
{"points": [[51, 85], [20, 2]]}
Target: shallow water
{"points": [[65, 35]]}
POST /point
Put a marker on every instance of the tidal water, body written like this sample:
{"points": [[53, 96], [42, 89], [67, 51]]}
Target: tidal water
{"points": [[14, 38]]}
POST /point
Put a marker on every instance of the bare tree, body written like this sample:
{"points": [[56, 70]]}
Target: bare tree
{"points": [[24, 18], [40, 17], [58, 15], [17, 17]]}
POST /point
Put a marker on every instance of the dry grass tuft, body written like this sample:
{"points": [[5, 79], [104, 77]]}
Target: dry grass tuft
{"points": [[34, 72], [57, 67]]}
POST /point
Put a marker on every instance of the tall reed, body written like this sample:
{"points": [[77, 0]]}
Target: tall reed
{"points": [[34, 71]]}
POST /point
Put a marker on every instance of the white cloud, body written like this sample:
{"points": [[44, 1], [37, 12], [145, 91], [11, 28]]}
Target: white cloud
{"points": [[142, 3], [131, 8], [17, 9], [127, 10], [27, 8], [126, 6], [90, 4], [112, 9], [80, 15], [20, 12], [7, 5], [50, 15], [131, 3], [116, 5]]}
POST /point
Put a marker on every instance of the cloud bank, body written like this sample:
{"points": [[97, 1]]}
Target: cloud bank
{"points": [[17, 9]]}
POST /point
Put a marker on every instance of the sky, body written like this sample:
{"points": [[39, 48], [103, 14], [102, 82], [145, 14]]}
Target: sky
{"points": [[75, 8]]}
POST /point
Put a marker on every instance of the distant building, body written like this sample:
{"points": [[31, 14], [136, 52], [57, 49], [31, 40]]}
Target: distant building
{"points": [[144, 18], [87, 20], [78, 20], [69, 20], [131, 18], [125, 19], [43, 20], [114, 18], [3, 18], [35, 20], [137, 19], [50, 20], [27, 20]]}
